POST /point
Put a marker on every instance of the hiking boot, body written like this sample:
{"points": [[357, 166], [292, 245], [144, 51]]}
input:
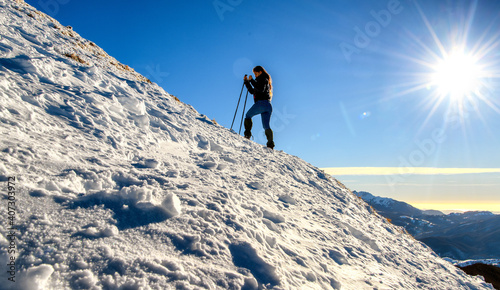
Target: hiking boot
{"points": [[269, 135], [248, 128]]}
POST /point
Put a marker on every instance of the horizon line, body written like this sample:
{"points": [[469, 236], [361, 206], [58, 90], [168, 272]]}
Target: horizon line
{"points": [[457, 206], [337, 171]]}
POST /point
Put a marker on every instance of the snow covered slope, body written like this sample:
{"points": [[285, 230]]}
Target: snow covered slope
{"points": [[118, 185]]}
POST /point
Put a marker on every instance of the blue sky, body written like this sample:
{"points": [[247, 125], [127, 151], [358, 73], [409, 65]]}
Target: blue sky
{"points": [[353, 83]]}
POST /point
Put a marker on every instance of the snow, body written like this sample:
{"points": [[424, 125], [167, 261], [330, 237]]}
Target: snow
{"points": [[376, 200], [118, 185], [493, 262], [36, 277]]}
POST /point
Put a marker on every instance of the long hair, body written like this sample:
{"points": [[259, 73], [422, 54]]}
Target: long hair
{"points": [[266, 74]]}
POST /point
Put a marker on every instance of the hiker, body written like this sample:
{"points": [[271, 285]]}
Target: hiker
{"points": [[262, 89]]}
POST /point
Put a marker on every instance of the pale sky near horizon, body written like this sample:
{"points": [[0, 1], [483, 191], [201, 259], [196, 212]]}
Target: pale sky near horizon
{"points": [[447, 189], [360, 83]]}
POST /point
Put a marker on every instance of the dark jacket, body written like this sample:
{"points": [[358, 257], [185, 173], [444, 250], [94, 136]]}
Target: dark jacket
{"points": [[259, 88]]}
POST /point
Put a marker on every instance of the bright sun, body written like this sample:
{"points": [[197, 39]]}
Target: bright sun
{"points": [[457, 75]]}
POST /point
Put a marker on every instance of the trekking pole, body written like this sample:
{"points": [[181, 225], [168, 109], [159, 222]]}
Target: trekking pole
{"points": [[243, 114], [234, 118]]}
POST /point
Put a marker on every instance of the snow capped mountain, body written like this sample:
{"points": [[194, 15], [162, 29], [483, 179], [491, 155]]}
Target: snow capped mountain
{"points": [[469, 235], [388, 204], [109, 182]]}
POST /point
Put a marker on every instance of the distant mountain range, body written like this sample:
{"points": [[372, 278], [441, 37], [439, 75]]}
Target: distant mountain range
{"points": [[460, 236]]}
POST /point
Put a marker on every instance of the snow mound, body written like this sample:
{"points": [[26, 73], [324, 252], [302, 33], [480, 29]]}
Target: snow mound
{"points": [[119, 185], [35, 278]]}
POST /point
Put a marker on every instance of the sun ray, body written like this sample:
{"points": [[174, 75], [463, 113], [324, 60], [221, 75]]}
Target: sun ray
{"points": [[457, 72], [489, 103], [460, 74], [408, 90], [453, 68], [468, 22], [427, 49], [431, 30]]}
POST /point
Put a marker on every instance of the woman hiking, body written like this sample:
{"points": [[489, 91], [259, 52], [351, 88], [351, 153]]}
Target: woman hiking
{"points": [[262, 90]]}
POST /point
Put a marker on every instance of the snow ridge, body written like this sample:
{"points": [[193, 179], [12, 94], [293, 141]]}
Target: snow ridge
{"points": [[120, 185]]}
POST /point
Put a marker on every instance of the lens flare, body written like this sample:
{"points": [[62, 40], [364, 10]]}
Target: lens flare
{"points": [[457, 75], [457, 70]]}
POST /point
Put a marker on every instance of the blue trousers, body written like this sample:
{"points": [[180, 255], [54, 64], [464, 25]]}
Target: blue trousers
{"points": [[265, 110]]}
